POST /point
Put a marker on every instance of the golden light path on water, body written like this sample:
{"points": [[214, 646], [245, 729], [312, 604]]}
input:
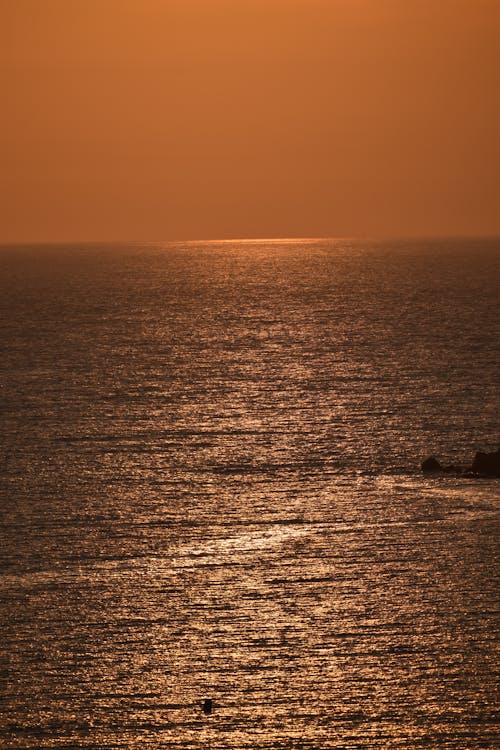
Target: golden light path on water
{"points": [[210, 489]]}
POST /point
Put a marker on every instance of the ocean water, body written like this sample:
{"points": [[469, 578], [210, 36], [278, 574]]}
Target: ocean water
{"points": [[210, 488]]}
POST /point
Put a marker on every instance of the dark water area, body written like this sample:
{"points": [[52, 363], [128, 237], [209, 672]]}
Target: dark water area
{"points": [[210, 488]]}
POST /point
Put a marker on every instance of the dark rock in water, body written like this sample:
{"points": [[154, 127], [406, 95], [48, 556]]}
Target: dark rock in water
{"points": [[487, 464], [431, 464], [484, 465], [207, 706]]}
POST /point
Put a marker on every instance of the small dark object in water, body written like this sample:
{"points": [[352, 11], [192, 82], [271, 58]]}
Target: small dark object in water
{"points": [[207, 706], [431, 464]]}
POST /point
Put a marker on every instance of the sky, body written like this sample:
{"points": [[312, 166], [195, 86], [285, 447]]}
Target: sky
{"points": [[201, 119]]}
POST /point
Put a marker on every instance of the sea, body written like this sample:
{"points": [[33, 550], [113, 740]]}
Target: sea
{"points": [[214, 528]]}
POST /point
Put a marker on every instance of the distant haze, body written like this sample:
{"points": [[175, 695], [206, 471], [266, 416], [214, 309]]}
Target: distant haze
{"points": [[178, 119]]}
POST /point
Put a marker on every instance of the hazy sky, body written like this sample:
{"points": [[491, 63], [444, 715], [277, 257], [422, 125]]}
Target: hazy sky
{"points": [[183, 119]]}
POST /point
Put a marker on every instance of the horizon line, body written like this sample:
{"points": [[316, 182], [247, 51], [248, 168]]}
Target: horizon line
{"points": [[251, 240]]}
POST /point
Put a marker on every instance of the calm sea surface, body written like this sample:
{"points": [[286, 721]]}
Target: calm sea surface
{"points": [[210, 488]]}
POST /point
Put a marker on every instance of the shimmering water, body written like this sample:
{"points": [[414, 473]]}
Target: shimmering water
{"points": [[210, 488]]}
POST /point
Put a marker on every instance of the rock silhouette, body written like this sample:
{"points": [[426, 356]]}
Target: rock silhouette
{"points": [[431, 465], [487, 464], [484, 465]]}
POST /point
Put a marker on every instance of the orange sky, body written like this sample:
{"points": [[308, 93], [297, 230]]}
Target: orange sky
{"points": [[179, 119]]}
